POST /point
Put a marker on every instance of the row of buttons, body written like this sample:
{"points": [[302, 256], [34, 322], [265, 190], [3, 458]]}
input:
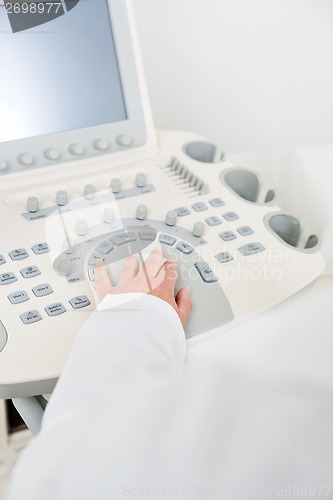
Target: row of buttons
{"points": [[199, 207], [246, 250], [54, 309], [54, 154], [21, 253], [22, 296], [26, 272]]}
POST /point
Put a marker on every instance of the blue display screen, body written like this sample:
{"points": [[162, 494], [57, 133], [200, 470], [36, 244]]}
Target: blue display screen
{"points": [[61, 74]]}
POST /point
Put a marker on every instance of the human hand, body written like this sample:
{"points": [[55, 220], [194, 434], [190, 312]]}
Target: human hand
{"points": [[153, 277]]}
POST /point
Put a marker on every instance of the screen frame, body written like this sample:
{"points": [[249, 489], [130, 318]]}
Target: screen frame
{"points": [[138, 126]]}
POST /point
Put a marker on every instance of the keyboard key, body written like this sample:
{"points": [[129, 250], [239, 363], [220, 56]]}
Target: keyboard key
{"points": [[167, 239], [55, 309], [200, 206], [30, 272], [213, 221], [121, 239], [18, 254], [224, 257], [251, 248], [216, 202], [94, 258], [7, 278], [40, 248], [147, 235], [182, 211], [184, 247], [245, 230], [230, 216], [42, 290], [205, 272], [2, 260], [18, 297], [105, 247], [30, 317], [79, 302], [227, 236]]}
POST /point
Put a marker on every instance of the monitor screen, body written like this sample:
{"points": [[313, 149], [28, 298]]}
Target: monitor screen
{"points": [[61, 75]]}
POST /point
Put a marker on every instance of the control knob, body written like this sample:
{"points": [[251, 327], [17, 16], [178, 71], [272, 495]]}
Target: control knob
{"points": [[81, 227], [61, 198], [171, 218], [115, 185], [141, 212], [108, 215], [140, 179], [63, 266], [198, 229], [32, 204]]}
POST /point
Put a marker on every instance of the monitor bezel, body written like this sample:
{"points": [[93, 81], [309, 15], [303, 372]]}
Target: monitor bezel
{"points": [[138, 126]]}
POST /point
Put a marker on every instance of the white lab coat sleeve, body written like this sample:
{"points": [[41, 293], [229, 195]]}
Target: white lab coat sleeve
{"points": [[131, 341], [127, 351]]}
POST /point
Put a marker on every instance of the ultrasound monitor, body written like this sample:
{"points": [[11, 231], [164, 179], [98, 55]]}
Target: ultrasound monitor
{"points": [[70, 86]]}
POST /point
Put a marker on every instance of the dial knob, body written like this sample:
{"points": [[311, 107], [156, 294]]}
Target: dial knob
{"points": [[108, 215], [89, 191], [171, 218], [26, 159], [81, 227], [32, 204], [76, 149], [141, 212], [52, 154], [61, 198], [198, 229], [140, 179], [101, 144], [63, 265], [124, 140], [3, 164], [115, 185]]}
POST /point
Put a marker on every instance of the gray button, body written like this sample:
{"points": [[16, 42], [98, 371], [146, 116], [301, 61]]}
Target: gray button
{"points": [[147, 235], [104, 248], [55, 309], [213, 221], [7, 278], [230, 216], [121, 239], [30, 272], [205, 272], [18, 297], [227, 236], [2, 260], [42, 290], [184, 247], [91, 274], [94, 258], [200, 206], [79, 302], [167, 239], [224, 257], [182, 211], [245, 230], [40, 248], [216, 202], [30, 317], [251, 248], [18, 254]]}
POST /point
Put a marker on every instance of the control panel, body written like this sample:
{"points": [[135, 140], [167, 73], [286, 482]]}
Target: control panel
{"points": [[235, 248]]}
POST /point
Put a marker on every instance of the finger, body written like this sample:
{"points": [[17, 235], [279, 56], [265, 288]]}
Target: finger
{"points": [[153, 263], [102, 281], [168, 273], [184, 304], [129, 268]]}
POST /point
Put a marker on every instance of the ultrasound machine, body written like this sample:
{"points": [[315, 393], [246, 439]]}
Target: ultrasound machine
{"points": [[84, 176]]}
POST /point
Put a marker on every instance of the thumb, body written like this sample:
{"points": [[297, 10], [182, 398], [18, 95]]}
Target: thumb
{"points": [[184, 304]]}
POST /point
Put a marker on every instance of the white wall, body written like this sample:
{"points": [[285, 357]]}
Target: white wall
{"points": [[248, 74]]}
